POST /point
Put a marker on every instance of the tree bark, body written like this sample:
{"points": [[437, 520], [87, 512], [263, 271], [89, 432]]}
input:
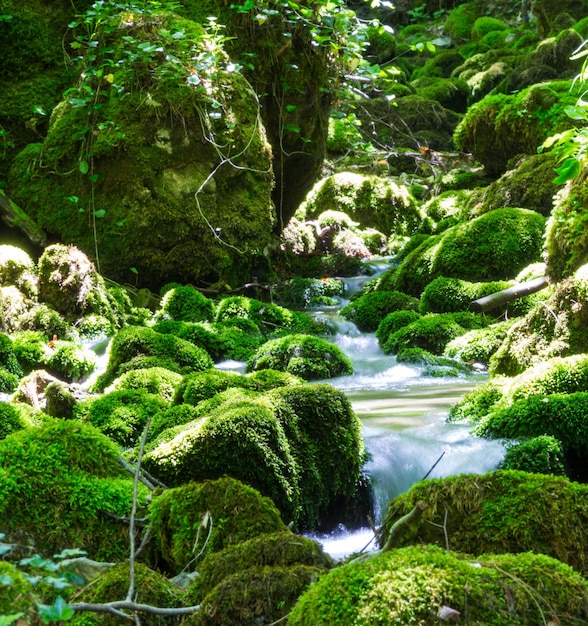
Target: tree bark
{"points": [[494, 300]]}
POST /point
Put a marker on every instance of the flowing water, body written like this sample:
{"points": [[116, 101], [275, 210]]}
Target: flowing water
{"points": [[403, 415]]}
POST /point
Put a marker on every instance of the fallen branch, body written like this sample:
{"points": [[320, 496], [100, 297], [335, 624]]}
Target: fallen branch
{"points": [[118, 608], [494, 300], [398, 528]]}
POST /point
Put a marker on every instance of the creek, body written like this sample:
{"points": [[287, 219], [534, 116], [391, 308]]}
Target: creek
{"points": [[404, 428]]}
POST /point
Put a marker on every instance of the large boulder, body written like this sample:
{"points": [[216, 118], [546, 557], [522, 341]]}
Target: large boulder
{"points": [[161, 169]]}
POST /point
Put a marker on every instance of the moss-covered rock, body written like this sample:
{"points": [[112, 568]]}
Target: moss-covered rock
{"points": [[283, 549], [494, 246], [426, 586], [67, 502], [538, 455], [69, 360], [185, 304], [122, 414], [370, 200], [11, 420], [142, 168], [154, 380], [458, 23], [237, 513], [451, 93], [529, 185], [478, 345], [554, 327], [305, 356], [134, 341], [505, 511], [477, 403], [562, 416], [393, 322], [150, 587], [494, 131], [566, 232], [368, 310], [17, 268], [299, 293]]}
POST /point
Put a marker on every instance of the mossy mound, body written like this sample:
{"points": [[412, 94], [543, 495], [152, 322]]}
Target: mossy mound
{"points": [[428, 586], [69, 283], [556, 326], [562, 416], [122, 414], [239, 437], [431, 332], [69, 360], [478, 345], [256, 595], [566, 231], [546, 13], [185, 304], [494, 246], [538, 455], [135, 341], [369, 200], [368, 310], [271, 319], [305, 356], [237, 513], [458, 23], [17, 268], [505, 511], [451, 93], [447, 295], [393, 322], [268, 550], [528, 184], [494, 131], [142, 168], [154, 380], [68, 501], [151, 588], [299, 293]]}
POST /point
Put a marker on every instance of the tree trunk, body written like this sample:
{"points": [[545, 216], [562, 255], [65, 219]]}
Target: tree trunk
{"points": [[494, 300]]}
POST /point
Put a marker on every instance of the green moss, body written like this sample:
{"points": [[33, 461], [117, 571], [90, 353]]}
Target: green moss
{"points": [[122, 414], [431, 332], [18, 596], [494, 246], [154, 380], [451, 93], [369, 200], [538, 455], [505, 511], [238, 513], [478, 345], [185, 304], [150, 586], [135, 341], [69, 360], [460, 20], [419, 585], [17, 268], [273, 549], [10, 420], [477, 403], [494, 131], [240, 437], [484, 25], [258, 594], [367, 311], [393, 322], [8, 359], [68, 501], [298, 293], [305, 356], [204, 385], [562, 416]]}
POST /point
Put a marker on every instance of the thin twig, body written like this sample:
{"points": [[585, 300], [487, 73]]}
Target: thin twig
{"points": [[117, 608]]}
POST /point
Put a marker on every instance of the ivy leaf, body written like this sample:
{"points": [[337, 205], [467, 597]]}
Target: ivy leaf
{"points": [[99, 213], [6, 620], [570, 169], [84, 167], [5, 580], [59, 610]]}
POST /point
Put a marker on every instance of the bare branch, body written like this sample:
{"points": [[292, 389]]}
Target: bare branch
{"points": [[118, 608]]}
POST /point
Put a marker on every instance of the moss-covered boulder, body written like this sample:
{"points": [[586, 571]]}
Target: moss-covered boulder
{"points": [[494, 131], [562, 416], [538, 455], [554, 327], [68, 501], [494, 246], [136, 341], [566, 231], [18, 268], [185, 304], [305, 356], [478, 345], [239, 437], [529, 185], [146, 169], [122, 414], [151, 588], [505, 511], [368, 310], [180, 518], [429, 586], [369, 200], [154, 380]]}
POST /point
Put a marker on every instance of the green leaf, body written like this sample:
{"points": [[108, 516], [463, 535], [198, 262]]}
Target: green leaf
{"points": [[576, 112], [6, 620], [99, 213], [5, 580], [570, 169], [84, 167], [59, 610], [291, 108], [134, 270], [292, 129]]}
